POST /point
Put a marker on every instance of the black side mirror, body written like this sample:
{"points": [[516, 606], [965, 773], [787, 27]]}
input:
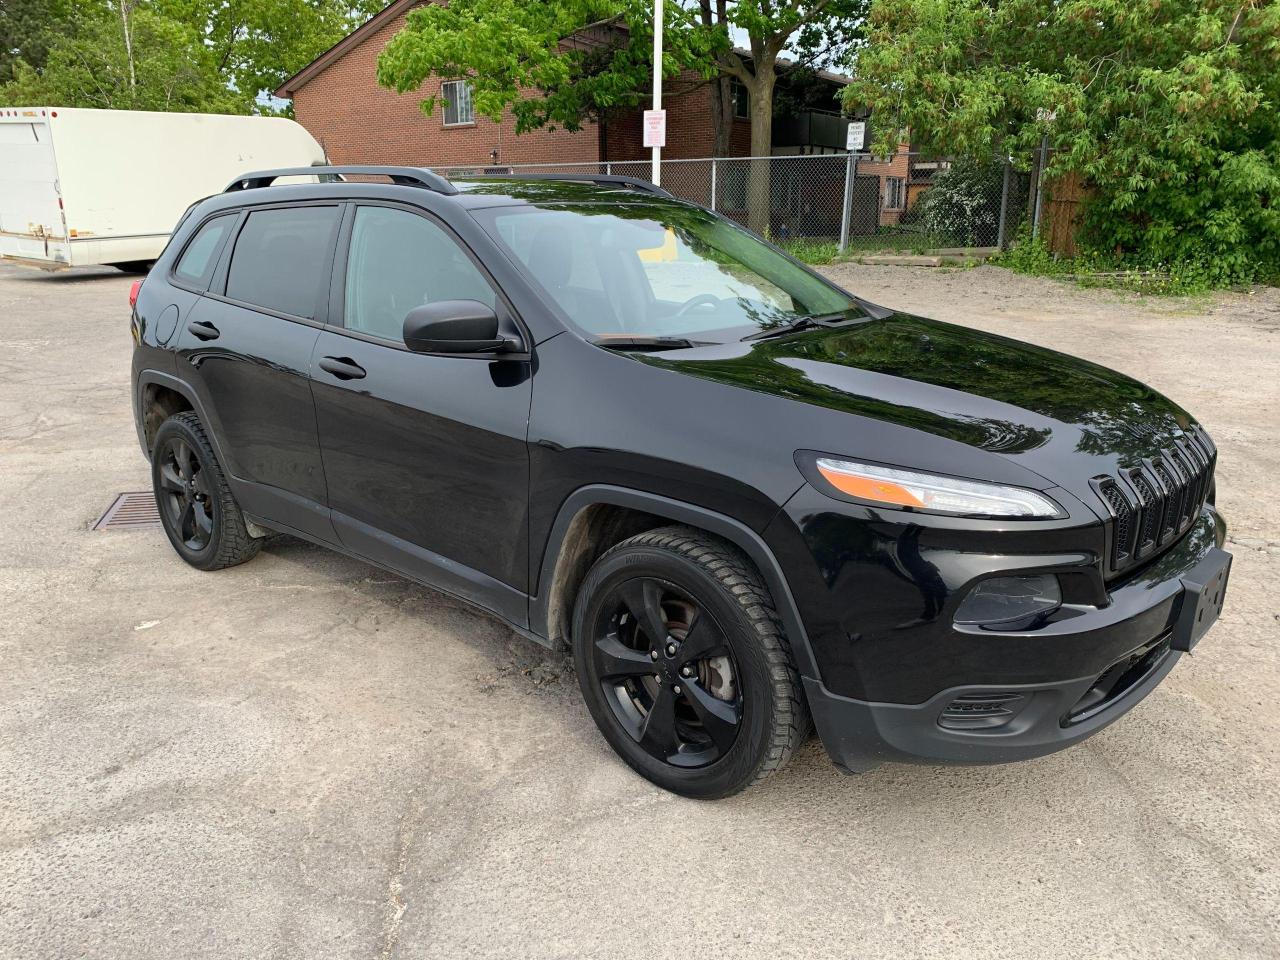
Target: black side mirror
{"points": [[455, 326]]}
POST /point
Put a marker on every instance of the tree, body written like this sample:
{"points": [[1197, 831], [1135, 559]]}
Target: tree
{"points": [[1168, 109], [578, 60], [26, 28], [163, 66], [259, 44], [202, 55]]}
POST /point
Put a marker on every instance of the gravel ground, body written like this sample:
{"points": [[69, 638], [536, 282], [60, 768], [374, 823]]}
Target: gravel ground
{"points": [[307, 757]]}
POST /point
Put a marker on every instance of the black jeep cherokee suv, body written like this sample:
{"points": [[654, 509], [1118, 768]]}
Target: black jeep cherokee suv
{"points": [[745, 497]]}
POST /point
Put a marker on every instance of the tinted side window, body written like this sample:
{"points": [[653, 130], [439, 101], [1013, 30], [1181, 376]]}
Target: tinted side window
{"points": [[281, 259], [198, 260], [399, 261]]}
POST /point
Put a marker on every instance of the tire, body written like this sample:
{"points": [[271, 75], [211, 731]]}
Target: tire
{"points": [[199, 515], [722, 671]]}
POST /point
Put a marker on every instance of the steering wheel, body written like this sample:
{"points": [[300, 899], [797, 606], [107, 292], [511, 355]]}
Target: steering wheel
{"points": [[701, 300]]}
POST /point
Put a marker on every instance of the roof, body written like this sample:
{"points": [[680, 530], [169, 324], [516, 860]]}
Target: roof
{"points": [[398, 7], [483, 191], [787, 64], [350, 41]]}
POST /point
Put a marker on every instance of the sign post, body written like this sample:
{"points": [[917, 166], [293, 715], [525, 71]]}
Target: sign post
{"points": [[854, 141], [655, 120]]}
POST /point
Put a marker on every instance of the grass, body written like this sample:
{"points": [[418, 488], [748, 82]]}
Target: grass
{"points": [[884, 240], [1030, 255]]}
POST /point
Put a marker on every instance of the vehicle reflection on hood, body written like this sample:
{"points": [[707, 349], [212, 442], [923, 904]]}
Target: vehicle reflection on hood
{"points": [[983, 390]]}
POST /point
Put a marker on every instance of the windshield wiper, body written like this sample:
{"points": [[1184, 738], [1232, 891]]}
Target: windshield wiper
{"points": [[647, 343], [836, 319]]}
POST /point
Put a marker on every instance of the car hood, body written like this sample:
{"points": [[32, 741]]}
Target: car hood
{"points": [[1064, 418]]}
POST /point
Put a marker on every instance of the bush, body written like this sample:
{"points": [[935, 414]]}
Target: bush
{"points": [[962, 206]]}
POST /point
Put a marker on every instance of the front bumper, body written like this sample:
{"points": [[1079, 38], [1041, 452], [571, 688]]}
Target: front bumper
{"points": [[997, 721]]}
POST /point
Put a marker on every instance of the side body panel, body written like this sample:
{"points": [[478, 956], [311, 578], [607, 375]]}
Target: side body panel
{"points": [[427, 465]]}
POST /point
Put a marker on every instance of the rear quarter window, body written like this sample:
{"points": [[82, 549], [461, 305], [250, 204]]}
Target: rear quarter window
{"points": [[281, 259], [196, 264]]}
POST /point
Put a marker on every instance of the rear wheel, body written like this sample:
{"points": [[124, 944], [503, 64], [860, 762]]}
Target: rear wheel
{"points": [[683, 664], [198, 512]]}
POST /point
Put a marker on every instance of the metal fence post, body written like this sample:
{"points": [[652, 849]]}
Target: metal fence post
{"points": [[714, 164], [608, 168], [1004, 208], [1039, 186], [846, 210]]}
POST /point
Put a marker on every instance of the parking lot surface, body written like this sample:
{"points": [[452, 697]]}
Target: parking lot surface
{"points": [[306, 757]]}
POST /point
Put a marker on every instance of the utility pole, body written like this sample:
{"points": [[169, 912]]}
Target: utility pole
{"points": [[657, 88]]}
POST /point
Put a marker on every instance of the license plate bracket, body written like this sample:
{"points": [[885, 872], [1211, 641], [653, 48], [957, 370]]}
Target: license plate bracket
{"points": [[1204, 587]]}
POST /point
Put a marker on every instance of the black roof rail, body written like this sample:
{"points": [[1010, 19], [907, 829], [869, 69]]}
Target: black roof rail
{"points": [[405, 176], [604, 179]]}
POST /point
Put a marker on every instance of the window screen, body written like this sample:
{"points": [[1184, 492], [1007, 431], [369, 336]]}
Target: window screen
{"points": [[398, 261], [457, 106], [198, 260], [281, 259]]}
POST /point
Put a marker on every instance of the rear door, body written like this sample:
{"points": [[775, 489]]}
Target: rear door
{"points": [[32, 226], [246, 347], [425, 456]]}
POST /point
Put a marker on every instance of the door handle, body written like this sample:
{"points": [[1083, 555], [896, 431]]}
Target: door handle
{"points": [[202, 330], [344, 368]]}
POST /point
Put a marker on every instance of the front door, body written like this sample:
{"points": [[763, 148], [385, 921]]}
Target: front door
{"points": [[425, 456], [246, 347]]}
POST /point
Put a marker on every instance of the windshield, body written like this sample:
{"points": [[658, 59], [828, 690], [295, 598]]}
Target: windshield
{"points": [[658, 270]]}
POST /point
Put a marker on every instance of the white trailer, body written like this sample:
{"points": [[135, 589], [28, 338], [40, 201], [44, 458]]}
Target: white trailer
{"points": [[82, 187]]}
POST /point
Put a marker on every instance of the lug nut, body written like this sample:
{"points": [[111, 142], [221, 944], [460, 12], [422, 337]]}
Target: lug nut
{"points": [[676, 688], [653, 654], [671, 649], [686, 671]]}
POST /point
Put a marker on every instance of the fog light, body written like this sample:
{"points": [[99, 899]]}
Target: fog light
{"points": [[1010, 603]]}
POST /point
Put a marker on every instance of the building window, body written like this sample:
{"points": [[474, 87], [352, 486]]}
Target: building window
{"points": [[741, 100], [894, 193], [457, 103]]}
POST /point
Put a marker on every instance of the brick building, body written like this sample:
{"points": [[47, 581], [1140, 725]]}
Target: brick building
{"points": [[338, 99]]}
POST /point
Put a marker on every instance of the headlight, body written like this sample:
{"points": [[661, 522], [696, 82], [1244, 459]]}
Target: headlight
{"points": [[925, 491], [1010, 603]]}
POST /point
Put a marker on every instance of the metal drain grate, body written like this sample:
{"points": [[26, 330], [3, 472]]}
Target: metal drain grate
{"points": [[129, 511]]}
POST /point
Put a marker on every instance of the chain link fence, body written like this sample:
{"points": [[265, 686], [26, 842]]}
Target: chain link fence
{"points": [[906, 202]]}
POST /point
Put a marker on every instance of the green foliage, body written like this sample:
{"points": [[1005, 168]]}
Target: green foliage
{"points": [[563, 63], [26, 28], [508, 46], [215, 56], [962, 205], [1030, 255], [1169, 110], [813, 252], [90, 68]]}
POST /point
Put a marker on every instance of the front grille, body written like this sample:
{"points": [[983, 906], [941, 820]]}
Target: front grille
{"points": [[1153, 503]]}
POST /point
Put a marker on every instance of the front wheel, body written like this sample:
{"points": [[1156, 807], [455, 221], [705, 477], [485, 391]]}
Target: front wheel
{"points": [[682, 661]]}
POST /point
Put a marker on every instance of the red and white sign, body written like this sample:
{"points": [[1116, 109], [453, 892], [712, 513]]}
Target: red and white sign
{"points": [[655, 128]]}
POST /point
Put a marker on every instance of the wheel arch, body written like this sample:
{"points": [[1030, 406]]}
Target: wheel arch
{"points": [[156, 384], [576, 540]]}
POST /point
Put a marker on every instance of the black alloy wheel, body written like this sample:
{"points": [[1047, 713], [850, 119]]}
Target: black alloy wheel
{"points": [[682, 662], [199, 514], [184, 494], [667, 672]]}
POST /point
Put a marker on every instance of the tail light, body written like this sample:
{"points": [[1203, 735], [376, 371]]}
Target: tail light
{"points": [[133, 293]]}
